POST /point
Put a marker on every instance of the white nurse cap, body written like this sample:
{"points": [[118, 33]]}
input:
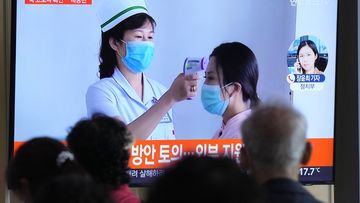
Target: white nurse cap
{"points": [[112, 12]]}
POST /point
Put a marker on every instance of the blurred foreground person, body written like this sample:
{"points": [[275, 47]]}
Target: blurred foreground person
{"points": [[204, 179], [275, 148], [72, 189], [101, 145], [37, 161]]}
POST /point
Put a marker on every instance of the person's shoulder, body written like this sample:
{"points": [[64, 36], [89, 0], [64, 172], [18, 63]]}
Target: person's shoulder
{"points": [[105, 84], [317, 71], [239, 118], [286, 190], [246, 113], [124, 194]]}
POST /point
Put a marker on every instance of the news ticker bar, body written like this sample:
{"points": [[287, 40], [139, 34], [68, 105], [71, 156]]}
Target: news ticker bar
{"points": [[143, 177], [149, 154]]}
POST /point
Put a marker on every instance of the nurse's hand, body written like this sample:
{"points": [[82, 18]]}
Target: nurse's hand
{"points": [[183, 87]]}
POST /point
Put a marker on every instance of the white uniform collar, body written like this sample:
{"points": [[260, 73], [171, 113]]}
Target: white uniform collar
{"points": [[125, 85]]}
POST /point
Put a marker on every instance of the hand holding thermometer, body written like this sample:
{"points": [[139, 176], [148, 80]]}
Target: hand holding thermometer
{"points": [[193, 65]]}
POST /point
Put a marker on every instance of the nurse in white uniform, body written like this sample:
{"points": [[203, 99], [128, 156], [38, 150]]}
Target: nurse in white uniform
{"points": [[124, 91]]}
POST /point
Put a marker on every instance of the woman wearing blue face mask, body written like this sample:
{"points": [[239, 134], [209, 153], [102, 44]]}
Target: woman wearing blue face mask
{"points": [[229, 89], [124, 91]]}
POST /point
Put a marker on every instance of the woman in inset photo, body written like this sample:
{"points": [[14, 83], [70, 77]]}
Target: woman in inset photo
{"points": [[307, 58]]}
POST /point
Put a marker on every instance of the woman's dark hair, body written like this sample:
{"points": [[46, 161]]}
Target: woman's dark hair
{"points": [[37, 161], [204, 179], [238, 64], [73, 189], [107, 56], [312, 46], [101, 145]]}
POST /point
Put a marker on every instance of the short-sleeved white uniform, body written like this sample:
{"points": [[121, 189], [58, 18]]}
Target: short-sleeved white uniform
{"points": [[114, 96]]}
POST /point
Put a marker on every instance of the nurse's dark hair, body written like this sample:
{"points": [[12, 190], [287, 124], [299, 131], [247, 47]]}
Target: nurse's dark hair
{"points": [[107, 55], [312, 46], [238, 64]]}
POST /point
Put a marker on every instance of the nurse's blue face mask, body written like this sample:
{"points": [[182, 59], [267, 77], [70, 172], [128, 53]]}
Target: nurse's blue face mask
{"points": [[211, 99], [138, 56]]}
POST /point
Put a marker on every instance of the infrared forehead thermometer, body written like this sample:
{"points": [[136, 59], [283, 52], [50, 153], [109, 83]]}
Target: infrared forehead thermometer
{"points": [[193, 65]]}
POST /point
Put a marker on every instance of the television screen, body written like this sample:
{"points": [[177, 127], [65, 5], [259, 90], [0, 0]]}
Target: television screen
{"points": [[56, 59]]}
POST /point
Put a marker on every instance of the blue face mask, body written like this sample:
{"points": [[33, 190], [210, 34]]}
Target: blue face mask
{"points": [[138, 55], [211, 99]]}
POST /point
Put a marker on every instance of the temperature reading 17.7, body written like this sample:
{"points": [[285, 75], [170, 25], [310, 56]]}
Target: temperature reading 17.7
{"points": [[309, 171]]}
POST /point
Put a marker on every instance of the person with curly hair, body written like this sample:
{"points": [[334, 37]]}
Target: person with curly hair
{"points": [[101, 145]]}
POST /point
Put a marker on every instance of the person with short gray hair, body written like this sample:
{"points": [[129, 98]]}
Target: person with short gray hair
{"points": [[275, 148]]}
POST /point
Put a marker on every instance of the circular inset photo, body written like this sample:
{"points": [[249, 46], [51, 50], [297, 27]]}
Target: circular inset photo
{"points": [[307, 55]]}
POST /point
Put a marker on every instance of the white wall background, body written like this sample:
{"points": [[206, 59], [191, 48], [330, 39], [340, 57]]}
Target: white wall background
{"points": [[57, 56], [56, 50]]}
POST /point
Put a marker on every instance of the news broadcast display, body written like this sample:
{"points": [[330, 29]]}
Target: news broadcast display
{"points": [[56, 59]]}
